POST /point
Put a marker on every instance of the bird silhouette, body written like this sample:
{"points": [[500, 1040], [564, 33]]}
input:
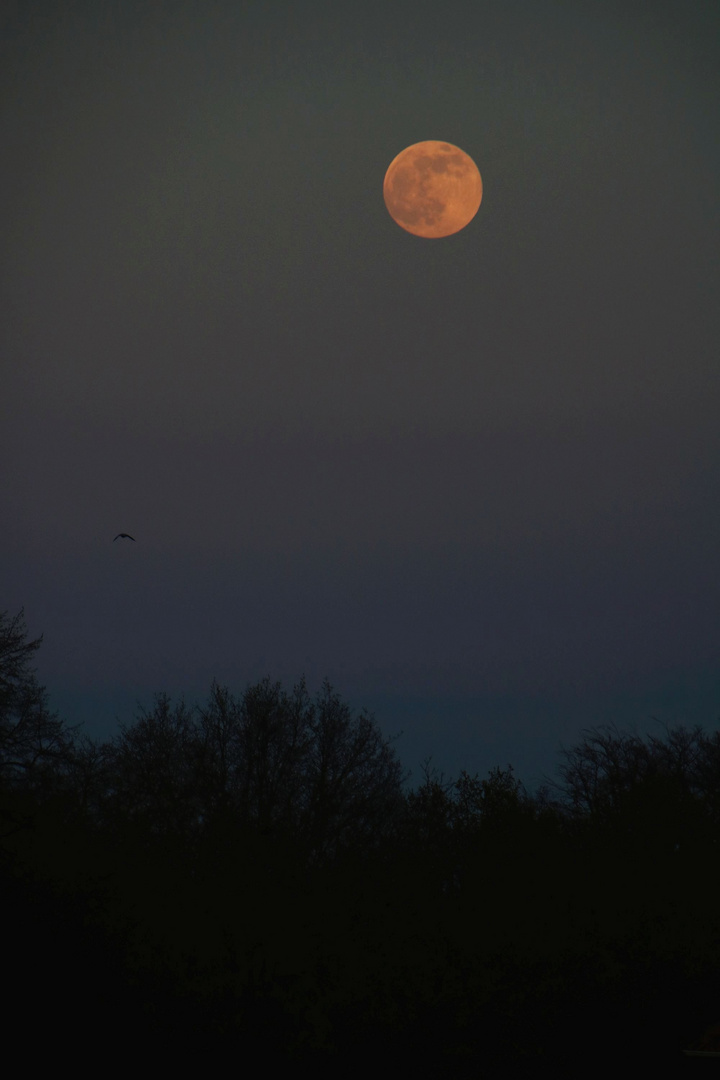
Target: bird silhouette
{"points": [[125, 536]]}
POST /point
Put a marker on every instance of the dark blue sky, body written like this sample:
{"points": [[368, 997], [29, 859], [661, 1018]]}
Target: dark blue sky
{"points": [[474, 481]]}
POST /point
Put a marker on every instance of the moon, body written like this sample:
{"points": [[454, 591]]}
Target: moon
{"points": [[432, 189]]}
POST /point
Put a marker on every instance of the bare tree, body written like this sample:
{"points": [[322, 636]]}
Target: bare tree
{"points": [[147, 774], [354, 779], [271, 763], [664, 788], [250, 755], [495, 802], [34, 743]]}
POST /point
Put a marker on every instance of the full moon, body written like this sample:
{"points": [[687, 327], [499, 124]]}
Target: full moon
{"points": [[432, 189]]}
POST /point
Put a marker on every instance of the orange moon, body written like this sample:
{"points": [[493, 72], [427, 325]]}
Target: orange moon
{"points": [[432, 189]]}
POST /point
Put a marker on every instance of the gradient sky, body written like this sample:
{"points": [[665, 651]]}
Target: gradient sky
{"points": [[473, 481]]}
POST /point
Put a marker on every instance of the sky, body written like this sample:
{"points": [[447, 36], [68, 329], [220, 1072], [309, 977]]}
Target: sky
{"points": [[472, 481]]}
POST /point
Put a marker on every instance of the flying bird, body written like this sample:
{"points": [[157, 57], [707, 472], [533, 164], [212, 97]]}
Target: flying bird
{"points": [[125, 536]]}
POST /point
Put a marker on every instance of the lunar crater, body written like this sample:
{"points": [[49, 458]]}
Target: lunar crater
{"points": [[432, 189]]}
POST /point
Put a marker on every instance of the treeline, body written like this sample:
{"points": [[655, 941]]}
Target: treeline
{"points": [[252, 875]]}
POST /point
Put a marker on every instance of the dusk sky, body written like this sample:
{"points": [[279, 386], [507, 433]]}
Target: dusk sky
{"points": [[474, 481]]}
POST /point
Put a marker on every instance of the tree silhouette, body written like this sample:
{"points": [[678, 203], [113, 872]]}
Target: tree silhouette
{"points": [[653, 791], [494, 803], [354, 779], [34, 742], [277, 763], [146, 772], [250, 870]]}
